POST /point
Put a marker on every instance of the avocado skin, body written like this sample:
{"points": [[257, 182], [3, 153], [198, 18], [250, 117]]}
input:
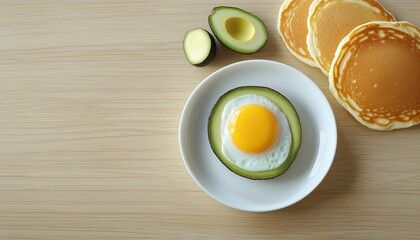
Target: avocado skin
{"points": [[212, 53], [214, 147], [246, 13]]}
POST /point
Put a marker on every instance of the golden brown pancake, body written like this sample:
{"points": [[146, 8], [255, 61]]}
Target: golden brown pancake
{"points": [[293, 28], [375, 75], [329, 21]]}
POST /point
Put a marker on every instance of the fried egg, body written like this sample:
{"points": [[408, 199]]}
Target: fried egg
{"points": [[255, 133]]}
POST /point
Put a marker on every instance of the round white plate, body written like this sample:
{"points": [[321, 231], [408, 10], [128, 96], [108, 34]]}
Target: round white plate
{"points": [[316, 154]]}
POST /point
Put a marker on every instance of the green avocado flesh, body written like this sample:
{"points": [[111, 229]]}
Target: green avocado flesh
{"points": [[199, 47], [237, 29], [215, 131]]}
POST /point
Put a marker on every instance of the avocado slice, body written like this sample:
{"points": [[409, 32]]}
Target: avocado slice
{"points": [[199, 47], [215, 131], [238, 29]]}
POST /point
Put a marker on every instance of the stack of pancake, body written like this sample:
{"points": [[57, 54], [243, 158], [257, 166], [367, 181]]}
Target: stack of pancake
{"points": [[372, 61]]}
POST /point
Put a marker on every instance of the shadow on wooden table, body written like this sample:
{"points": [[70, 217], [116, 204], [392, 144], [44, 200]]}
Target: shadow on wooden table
{"points": [[225, 56], [338, 182]]}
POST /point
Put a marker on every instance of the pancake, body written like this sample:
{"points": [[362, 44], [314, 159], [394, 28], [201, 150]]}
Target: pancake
{"points": [[293, 28], [329, 21], [375, 75]]}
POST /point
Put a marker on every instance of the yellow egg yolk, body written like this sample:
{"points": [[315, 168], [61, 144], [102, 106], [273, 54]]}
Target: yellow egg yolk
{"points": [[253, 128]]}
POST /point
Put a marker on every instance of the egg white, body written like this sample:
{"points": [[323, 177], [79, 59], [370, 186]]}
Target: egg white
{"points": [[271, 158]]}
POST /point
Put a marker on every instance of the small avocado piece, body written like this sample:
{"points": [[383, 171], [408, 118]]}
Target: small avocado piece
{"points": [[215, 131], [199, 47], [238, 29]]}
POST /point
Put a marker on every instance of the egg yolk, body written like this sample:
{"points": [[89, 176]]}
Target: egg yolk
{"points": [[253, 128]]}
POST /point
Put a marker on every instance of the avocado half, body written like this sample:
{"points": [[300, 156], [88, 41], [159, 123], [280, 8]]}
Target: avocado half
{"points": [[215, 131], [238, 29]]}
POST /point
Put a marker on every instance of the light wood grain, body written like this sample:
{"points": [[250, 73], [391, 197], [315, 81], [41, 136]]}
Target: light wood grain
{"points": [[91, 94]]}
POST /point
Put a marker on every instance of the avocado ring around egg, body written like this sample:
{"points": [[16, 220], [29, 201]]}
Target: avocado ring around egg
{"points": [[241, 132]]}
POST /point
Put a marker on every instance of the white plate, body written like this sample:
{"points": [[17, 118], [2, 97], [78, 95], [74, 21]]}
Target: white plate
{"points": [[316, 154]]}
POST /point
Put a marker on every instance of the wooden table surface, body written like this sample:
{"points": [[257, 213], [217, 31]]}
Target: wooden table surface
{"points": [[91, 94]]}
